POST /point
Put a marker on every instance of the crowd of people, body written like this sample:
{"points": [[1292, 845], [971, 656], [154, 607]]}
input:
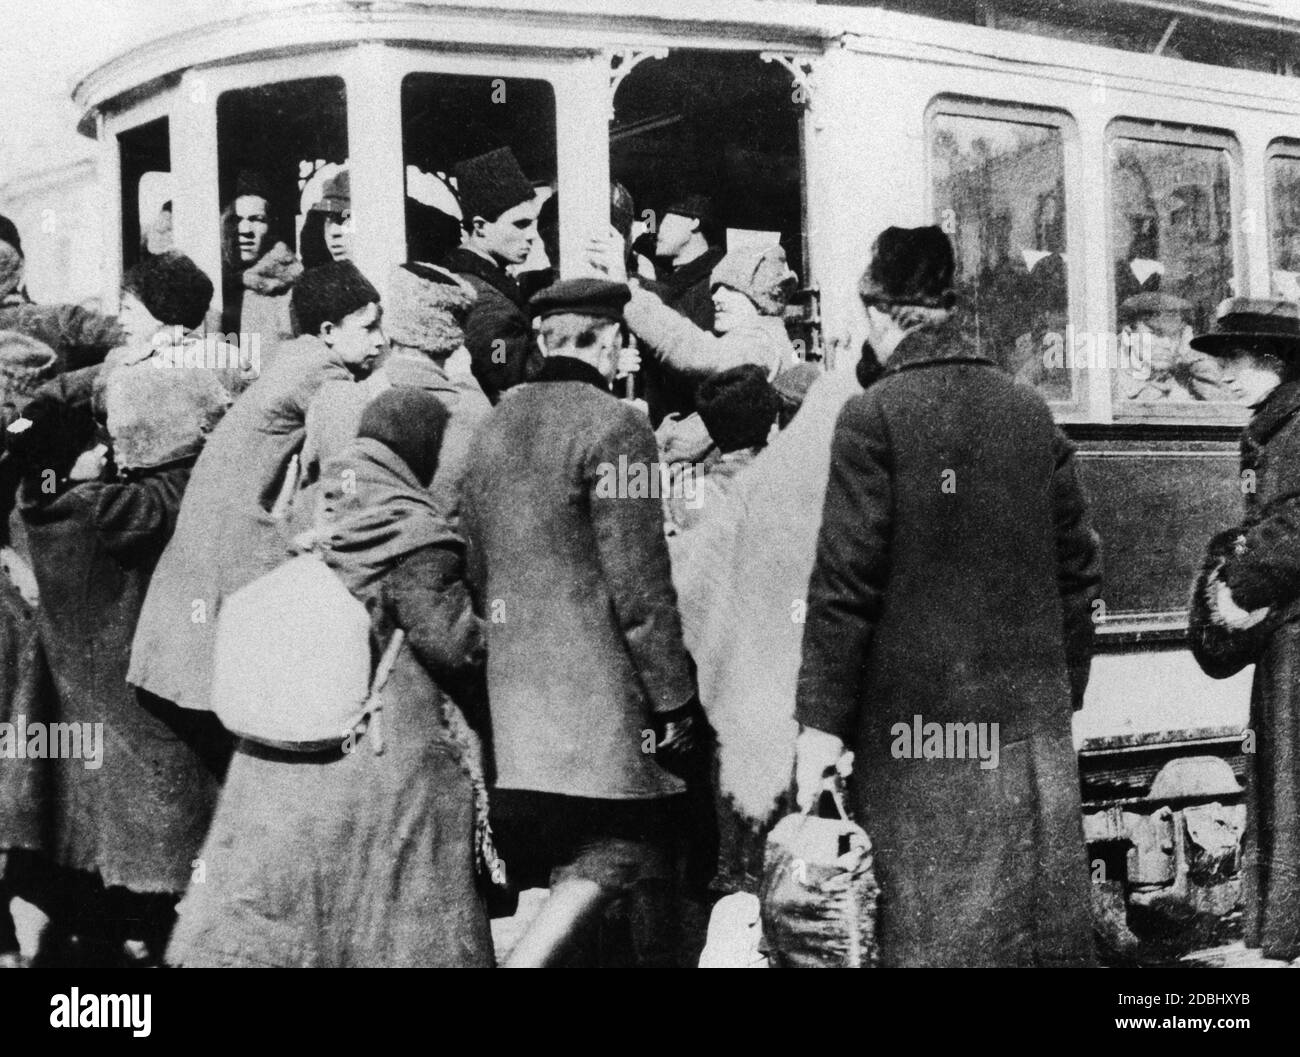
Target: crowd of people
{"points": [[612, 638]]}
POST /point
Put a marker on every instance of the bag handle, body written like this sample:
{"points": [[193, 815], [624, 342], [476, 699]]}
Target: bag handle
{"points": [[374, 705]]}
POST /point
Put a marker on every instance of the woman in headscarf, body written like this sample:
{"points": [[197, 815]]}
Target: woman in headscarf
{"points": [[360, 857]]}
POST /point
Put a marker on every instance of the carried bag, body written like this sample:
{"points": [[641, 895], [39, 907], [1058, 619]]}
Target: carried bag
{"points": [[1222, 648], [292, 663], [819, 892]]}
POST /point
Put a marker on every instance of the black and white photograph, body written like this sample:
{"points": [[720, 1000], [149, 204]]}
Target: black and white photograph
{"points": [[644, 484]]}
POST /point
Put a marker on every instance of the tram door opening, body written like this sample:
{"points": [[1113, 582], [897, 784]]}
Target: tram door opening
{"points": [[713, 126], [283, 152]]}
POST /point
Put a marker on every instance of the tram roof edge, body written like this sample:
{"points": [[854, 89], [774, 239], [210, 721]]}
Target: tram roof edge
{"points": [[288, 26]]}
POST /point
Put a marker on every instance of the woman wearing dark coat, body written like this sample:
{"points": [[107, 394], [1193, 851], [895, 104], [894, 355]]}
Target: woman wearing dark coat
{"points": [[954, 574], [1259, 345], [359, 858], [130, 810]]}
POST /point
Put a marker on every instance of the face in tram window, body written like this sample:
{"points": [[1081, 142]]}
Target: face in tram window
{"points": [[357, 338], [1250, 374], [137, 322], [253, 226], [731, 309], [338, 235], [675, 232], [510, 237]]}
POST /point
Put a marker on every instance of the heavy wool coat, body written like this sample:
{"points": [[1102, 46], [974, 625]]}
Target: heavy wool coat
{"points": [[138, 818], [1267, 573], [498, 332], [572, 573], [226, 535], [953, 581]]}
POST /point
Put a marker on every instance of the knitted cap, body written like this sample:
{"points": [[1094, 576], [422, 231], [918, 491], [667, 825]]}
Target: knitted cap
{"points": [[9, 234], [172, 287], [761, 275], [156, 415], [336, 195], [411, 421], [426, 308], [910, 266], [491, 183], [328, 293], [738, 407]]}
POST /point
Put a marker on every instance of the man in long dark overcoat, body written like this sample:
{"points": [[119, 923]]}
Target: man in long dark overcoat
{"points": [[948, 636]]}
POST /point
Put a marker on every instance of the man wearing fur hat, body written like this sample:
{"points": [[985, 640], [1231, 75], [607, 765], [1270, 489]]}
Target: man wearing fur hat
{"points": [[258, 269], [234, 524], [952, 590], [499, 216], [423, 320], [78, 336]]}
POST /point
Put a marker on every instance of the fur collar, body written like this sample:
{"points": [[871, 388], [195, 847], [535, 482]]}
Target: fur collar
{"points": [[275, 273], [929, 348]]}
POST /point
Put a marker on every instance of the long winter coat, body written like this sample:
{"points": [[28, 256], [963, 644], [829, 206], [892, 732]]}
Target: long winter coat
{"points": [[1268, 574], [226, 535], [138, 818], [360, 859], [498, 332], [954, 574], [572, 573]]}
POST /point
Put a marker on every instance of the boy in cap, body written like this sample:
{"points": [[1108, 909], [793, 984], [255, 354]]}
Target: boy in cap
{"points": [[79, 337], [590, 690], [954, 578], [499, 217], [335, 208], [232, 527]]}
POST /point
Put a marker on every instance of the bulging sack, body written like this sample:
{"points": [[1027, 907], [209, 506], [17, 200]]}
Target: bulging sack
{"points": [[292, 665], [819, 894]]}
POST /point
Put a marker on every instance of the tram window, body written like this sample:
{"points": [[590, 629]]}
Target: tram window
{"points": [[1172, 233], [448, 118], [145, 154], [999, 191], [283, 144], [1284, 221]]}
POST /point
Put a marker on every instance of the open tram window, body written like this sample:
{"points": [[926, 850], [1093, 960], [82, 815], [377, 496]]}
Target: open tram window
{"points": [[146, 190], [716, 133], [449, 118], [1174, 244], [999, 192], [283, 153], [1284, 219]]}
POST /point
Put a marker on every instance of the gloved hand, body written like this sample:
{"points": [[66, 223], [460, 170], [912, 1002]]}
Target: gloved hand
{"points": [[682, 738], [815, 754]]}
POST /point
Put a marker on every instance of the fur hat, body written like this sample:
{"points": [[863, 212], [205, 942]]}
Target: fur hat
{"points": [[336, 195], [24, 364], [910, 266], [172, 287], [761, 275], [491, 183], [426, 308], [738, 407], [9, 234], [157, 415], [328, 293], [250, 182], [411, 421]]}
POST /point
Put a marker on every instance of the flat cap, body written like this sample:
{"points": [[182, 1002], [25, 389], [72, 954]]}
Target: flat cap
{"points": [[582, 297], [1152, 303]]}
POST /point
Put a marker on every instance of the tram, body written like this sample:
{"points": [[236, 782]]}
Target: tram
{"points": [[1143, 160]]}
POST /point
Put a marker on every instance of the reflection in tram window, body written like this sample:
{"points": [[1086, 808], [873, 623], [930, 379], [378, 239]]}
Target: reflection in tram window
{"points": [[1171, 225], [447, 119], [146, 190], [281, 149], [1284, 224], [999, 191]]}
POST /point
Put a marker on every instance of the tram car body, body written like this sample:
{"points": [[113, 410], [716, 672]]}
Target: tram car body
{"points": [[1073, 175]]}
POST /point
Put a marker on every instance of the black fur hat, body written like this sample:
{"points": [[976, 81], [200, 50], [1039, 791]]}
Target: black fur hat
{"points": [[328, 293], [172, 287], [738, 407], [910, 266], [490, 184]]}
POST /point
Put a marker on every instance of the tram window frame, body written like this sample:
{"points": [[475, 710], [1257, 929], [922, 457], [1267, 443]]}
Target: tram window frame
{"points": [[1080, 404], [1279, 149], [1174, 134], [137, 158]]}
